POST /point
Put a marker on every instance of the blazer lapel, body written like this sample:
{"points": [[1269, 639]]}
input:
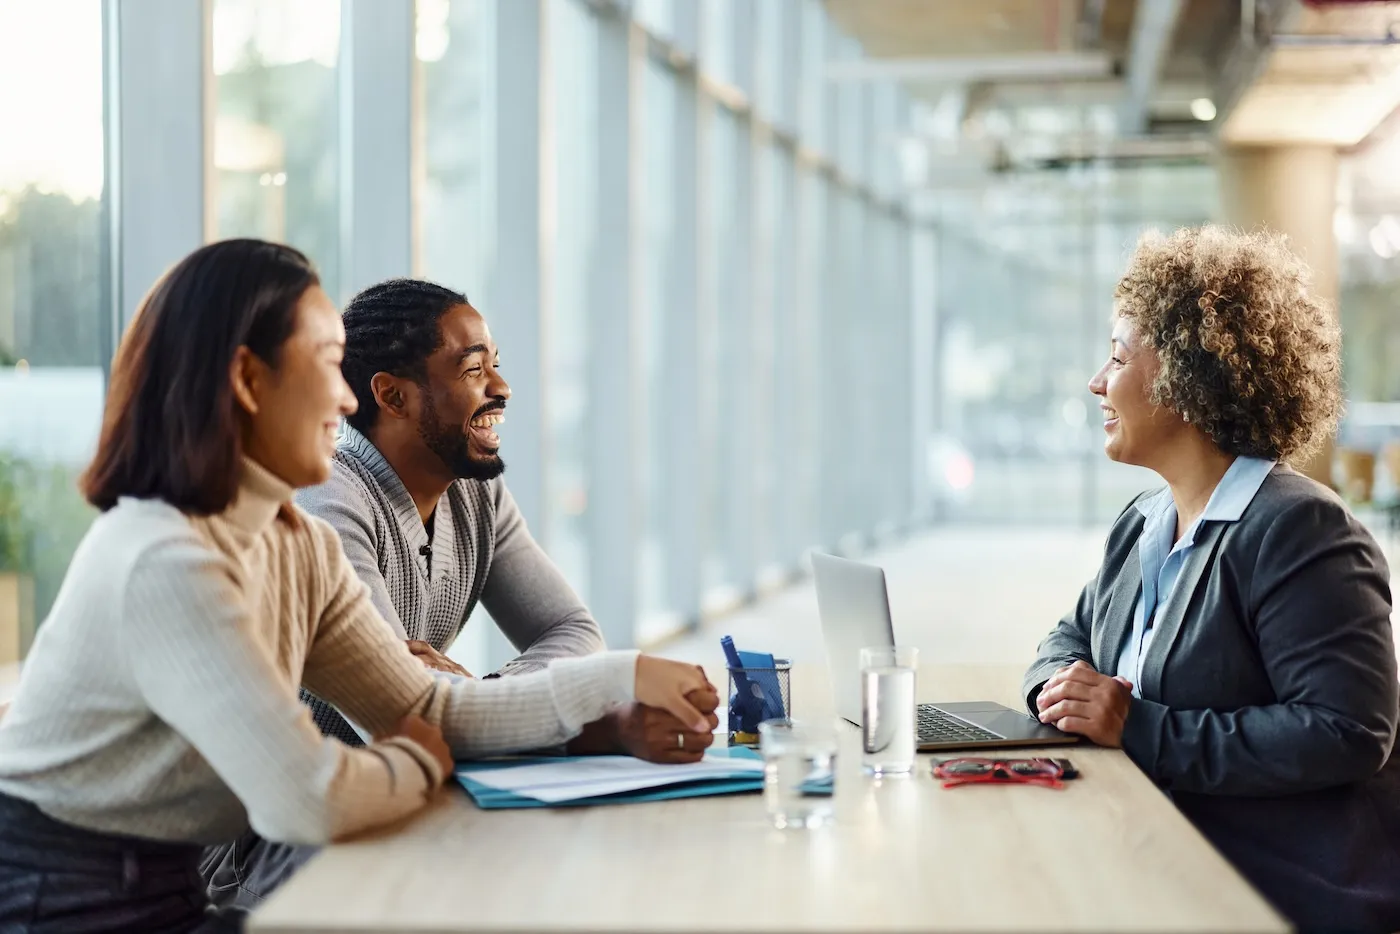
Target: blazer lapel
{"points": [[1172, 614], [1106, 640]]}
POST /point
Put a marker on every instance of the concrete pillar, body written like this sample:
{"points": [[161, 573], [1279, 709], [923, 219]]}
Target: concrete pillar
{"points": [[1290, 189]]}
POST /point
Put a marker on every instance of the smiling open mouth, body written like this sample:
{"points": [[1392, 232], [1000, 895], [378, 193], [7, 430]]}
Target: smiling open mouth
{"points": [[482, 428]]}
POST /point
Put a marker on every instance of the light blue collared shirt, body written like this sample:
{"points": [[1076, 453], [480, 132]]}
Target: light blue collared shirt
{"points": [[1161, 561]]}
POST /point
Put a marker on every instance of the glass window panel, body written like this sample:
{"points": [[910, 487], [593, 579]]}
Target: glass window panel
{"points": [[456, 58], [276, 153], [813, 91], [834, 94], [660, 91], [760, 415], [717, 39], [658, 16], [853, 137], [785, 472], [571, 426], [728, 391], [806, 337], [772, 47], [52, 332]]}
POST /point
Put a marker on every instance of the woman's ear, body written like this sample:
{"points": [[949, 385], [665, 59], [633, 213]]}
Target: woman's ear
{"points": [[245, 374]]}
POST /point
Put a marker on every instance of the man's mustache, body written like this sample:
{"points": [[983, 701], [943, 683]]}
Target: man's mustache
{"points": [[497, 405]]}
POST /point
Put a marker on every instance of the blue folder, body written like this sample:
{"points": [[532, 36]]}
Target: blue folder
{"points": [[488, 798]]}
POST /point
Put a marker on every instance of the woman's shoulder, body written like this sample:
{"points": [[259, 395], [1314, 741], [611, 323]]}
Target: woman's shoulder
{"points": [[136, 527], [1290, 495], [134, 538], [1292, 510]]}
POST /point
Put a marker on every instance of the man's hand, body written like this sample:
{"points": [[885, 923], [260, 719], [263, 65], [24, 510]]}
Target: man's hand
{"points": [[432, 658], [651, 733], [657, 736], [1077, 699]]}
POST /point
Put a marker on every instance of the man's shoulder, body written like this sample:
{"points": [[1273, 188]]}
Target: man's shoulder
{"points": [[349, 487]]}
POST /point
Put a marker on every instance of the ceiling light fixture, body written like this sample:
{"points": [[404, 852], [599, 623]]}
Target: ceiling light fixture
{"points": [[1203, 108]]}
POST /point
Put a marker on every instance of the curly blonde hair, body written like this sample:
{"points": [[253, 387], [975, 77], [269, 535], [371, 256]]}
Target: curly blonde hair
{"points": [[1247, 354]]}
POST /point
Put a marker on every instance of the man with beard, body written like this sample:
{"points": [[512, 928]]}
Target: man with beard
{"points": [[417, 495]]}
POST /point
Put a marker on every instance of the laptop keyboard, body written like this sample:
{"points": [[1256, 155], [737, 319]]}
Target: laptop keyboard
{"points": [[935, 726]]}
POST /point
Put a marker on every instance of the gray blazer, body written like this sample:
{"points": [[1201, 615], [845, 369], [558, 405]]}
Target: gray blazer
{"points": [[1269, 697]]}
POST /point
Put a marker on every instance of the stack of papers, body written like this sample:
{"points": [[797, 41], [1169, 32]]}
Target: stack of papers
{"points": [[569, 780]]}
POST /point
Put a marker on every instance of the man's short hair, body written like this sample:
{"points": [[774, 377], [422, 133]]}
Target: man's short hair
{"points": [[392, 328]]}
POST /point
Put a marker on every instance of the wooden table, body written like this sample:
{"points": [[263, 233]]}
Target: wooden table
{"points": [[1108, 853]]}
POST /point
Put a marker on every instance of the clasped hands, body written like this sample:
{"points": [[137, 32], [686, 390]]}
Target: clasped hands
{"points": [[1077, 699], [651, 733], [645, 732]]}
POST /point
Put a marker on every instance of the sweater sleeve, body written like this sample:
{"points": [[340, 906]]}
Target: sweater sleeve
{"points": [[529, 599], [357, 664], [194, 649]]}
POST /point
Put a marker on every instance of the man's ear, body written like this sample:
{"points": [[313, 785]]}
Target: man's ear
{"points": [[392, 394]]}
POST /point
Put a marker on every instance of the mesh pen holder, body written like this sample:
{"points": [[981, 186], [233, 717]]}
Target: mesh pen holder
{"points": [[755, 695]]}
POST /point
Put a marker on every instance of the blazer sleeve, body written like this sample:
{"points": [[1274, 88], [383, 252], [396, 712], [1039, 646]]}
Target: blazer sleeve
{"points": [[1319, 606], [1067, 643], [1071, 640]]}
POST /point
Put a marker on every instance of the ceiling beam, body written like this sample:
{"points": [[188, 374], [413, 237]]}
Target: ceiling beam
{"points": [[1154, 25], [1026, 66], [1248, 57]]}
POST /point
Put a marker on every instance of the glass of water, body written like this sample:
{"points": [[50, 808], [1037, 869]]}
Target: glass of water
{"points": [[887, 712], [799, 772]]}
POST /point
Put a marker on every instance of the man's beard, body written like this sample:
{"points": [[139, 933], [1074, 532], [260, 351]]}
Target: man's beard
{"points": [[452, 446]]}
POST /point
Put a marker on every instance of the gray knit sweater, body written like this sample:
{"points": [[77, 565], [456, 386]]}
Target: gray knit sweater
{"points": [[480, 551]]}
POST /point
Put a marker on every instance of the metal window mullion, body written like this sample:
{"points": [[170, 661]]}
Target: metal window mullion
{"points": [[159, 148], [376, 73]]}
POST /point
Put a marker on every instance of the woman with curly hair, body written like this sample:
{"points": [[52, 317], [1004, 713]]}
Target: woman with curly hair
{"points": [[1236, 641]]}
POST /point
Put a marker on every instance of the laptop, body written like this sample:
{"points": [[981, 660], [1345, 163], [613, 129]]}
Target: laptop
{"points": [[855, 613]]}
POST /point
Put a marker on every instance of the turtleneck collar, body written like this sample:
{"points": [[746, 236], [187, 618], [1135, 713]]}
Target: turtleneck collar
{"points": [[262, 497]]}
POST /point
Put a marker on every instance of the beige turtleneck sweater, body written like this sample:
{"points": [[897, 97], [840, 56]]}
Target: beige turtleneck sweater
{"points": [[160, 697]]}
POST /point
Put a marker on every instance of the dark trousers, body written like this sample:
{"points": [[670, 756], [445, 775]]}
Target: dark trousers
{"points": [[243, 873], [55, 877]]}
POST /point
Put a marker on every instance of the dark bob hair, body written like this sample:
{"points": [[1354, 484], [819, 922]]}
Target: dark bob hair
{"points": [[172, 428]]}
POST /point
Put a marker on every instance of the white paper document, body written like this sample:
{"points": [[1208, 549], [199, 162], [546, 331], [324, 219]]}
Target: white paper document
{"points": [[591, 776]]}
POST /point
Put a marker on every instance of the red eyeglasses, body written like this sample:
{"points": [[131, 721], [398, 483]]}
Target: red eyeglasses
{"points": [[971, 770]]}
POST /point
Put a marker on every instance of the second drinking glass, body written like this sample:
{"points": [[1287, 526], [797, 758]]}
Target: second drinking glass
{"points": [[888, 723]]}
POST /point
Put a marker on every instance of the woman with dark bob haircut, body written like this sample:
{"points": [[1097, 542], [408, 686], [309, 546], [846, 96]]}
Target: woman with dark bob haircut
{"points": [[1236, 642], [158, 709]]}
